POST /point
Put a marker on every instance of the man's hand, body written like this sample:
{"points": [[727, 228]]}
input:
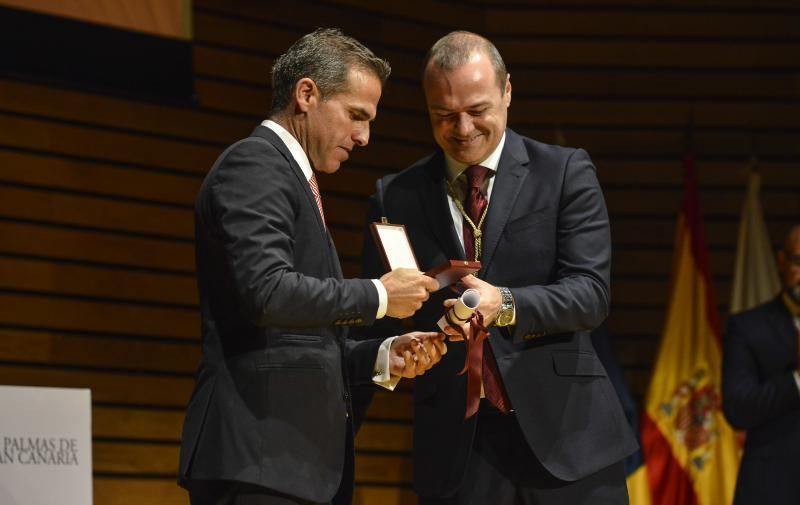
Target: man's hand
{"points": [[415, 353], [490, 298], [407, 289]]}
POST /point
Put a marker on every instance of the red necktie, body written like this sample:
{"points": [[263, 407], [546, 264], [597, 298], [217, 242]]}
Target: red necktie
{"points": [[475, 204], [315, 189]]}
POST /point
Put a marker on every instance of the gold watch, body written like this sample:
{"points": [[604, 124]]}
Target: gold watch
{"points": [[506, 314]]}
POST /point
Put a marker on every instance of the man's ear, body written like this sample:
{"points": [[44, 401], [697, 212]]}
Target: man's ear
{"points": [[306, 94], [507, 91]]}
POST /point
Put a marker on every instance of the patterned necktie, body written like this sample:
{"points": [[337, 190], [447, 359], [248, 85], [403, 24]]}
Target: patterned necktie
{"points": [[315, 189], [475, 203]]}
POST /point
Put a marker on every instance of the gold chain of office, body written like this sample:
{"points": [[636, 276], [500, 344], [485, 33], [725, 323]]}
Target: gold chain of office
{"points": [[476, 229]]}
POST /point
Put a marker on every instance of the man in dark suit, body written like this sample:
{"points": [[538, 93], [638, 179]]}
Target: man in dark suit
{"points": [[549, 428], [268, 421], [761, 388]]}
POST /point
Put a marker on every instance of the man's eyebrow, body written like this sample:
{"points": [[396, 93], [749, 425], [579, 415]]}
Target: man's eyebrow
{"points": [[361, 113], [442, 108]]}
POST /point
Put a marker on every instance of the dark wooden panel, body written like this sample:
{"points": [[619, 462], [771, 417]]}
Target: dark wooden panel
{"points": [[379, 24], [348, 242], [714, 202], [78, 315], [116, 388], [522, 51], [444, 14], [623, 84], [163, 425], [383, 495], [231, 65], [384, 437], [635, 351], [581, 84], [60, 278], [625, 23], [638, 292], [352, 180], [165, 491], [95, 212], [137, 424], [653, 113], [116, 113], [633, 262], [135, 459], [49, 242], [161, 459], [391, 405], [122, 491], [639, 321], [253, 100], [105, 144], [668, 175], [59, 349], [652, 54], [383, 469], [658, 232], [783, 6], [667, 143], [56, 172]]}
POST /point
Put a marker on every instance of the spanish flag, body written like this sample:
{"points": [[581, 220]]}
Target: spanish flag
{"points": [[691, 452]]}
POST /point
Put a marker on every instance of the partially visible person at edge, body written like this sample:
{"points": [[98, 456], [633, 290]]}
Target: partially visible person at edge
{"points": [[269, 418], [549, 428], [761, 388]]}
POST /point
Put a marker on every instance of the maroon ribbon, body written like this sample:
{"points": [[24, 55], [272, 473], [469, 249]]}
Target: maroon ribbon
{"points": [[473, 360]]}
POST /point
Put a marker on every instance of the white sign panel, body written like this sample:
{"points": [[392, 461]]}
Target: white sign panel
{"points": [[45, 446]]}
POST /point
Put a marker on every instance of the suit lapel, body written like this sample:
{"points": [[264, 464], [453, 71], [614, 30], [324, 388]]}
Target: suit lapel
{"points": [[783, 326], [272, 138], [437, 209], [511, 174]]}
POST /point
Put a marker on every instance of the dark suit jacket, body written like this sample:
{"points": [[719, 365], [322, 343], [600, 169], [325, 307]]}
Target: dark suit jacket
{"points": [[759, 394], [271, 401], [546, 238]]}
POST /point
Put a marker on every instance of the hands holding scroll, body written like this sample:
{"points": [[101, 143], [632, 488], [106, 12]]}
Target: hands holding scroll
{"points": [[415, 353]]}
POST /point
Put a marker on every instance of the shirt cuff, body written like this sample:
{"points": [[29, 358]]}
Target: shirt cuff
{"points": [[797, 380], [383, 298], [381, 375]]}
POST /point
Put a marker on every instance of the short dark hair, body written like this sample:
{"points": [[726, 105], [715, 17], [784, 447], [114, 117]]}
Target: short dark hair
{"points": [[325, 56], [455, 49]]}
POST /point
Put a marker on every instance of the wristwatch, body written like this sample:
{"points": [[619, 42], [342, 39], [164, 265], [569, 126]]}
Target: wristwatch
{"points": [[506, 314]]}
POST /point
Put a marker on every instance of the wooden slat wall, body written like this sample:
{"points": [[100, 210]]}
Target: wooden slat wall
{"points": [[96, 259]]}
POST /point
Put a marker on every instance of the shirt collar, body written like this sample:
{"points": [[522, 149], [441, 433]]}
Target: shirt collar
{"points": [[492, 162], [295, 149]]}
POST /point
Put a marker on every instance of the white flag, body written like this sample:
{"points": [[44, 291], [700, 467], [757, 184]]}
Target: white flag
{"points": [[755, 277]]}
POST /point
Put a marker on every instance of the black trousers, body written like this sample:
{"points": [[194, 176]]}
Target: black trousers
{"points": [[220, 492], [502, 470]]}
